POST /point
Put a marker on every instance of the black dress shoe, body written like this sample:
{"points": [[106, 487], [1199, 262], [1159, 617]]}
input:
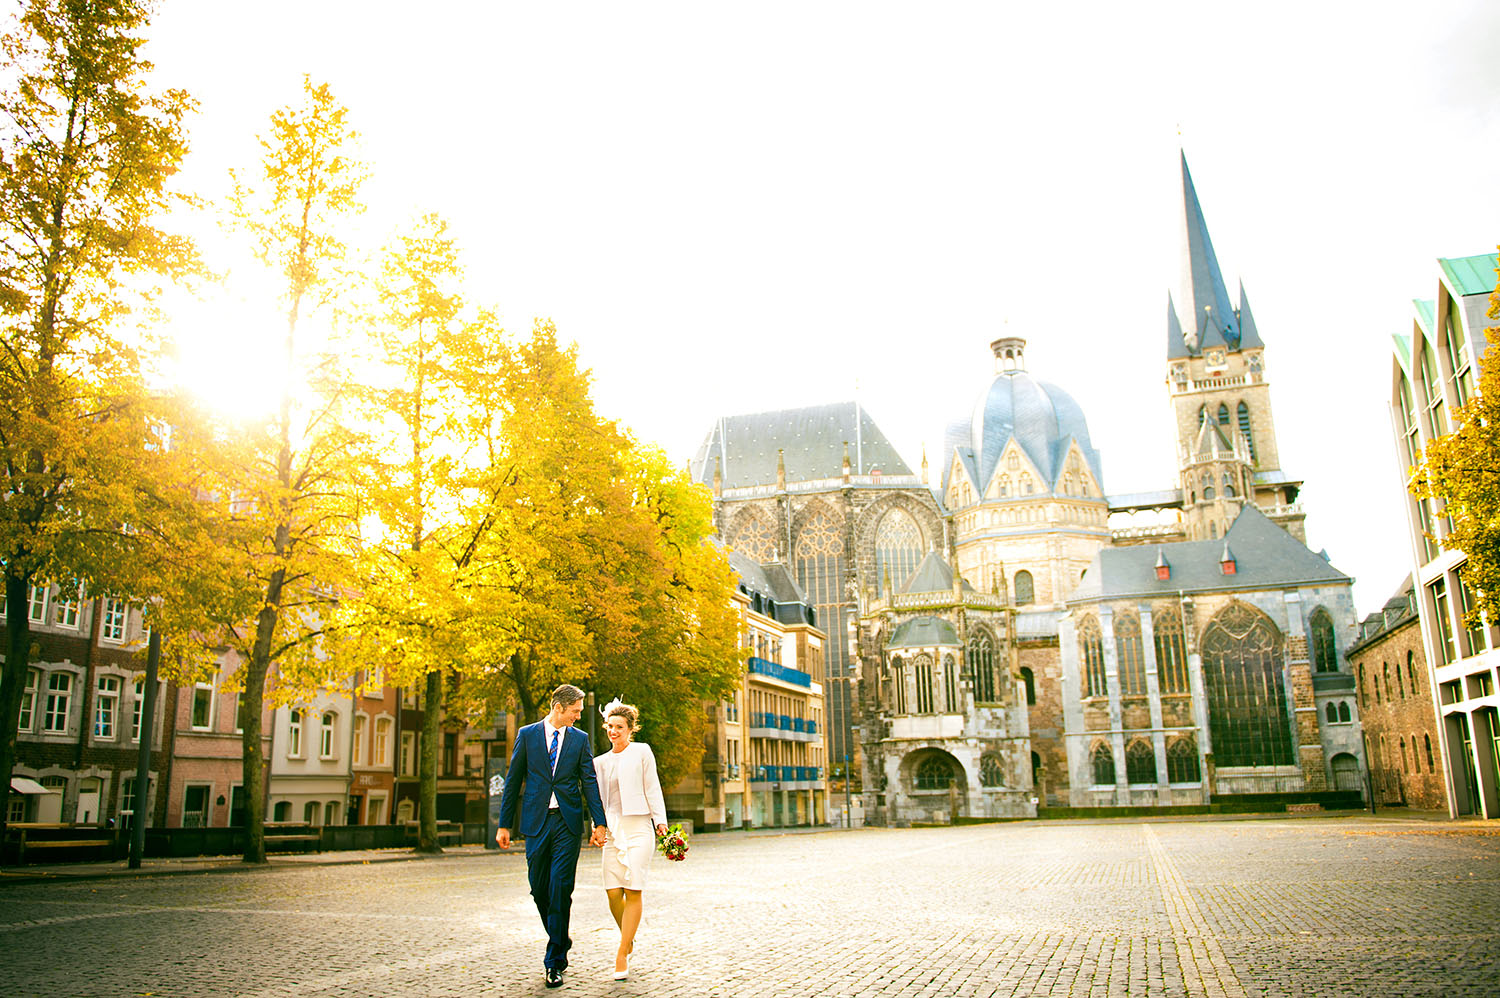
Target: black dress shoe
{"points": [[554, 977]]}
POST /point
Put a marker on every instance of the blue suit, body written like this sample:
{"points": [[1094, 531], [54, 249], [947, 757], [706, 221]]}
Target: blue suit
{"points": [[553, 835]]}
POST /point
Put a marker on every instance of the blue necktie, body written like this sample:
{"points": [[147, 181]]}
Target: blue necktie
{"points": [[552, 752]]}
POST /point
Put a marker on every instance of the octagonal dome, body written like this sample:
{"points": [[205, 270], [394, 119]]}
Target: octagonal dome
{"points": [[1043, 418]]}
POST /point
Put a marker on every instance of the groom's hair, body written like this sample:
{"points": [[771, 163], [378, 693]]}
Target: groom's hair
{"points": [[566, 695]]}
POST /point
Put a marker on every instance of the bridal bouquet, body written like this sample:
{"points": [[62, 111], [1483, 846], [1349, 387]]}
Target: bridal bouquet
{"points": [[674, 844]]}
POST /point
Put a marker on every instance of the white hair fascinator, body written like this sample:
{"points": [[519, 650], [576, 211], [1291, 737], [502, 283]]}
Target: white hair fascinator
{"points": [[604, 711]]}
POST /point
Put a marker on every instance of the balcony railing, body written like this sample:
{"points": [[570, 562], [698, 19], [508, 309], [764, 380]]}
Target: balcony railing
{"points": [[783, 726], [786, 774], [784, 673]]}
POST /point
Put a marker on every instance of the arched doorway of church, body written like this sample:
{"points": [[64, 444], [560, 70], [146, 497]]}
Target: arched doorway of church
{"points": [[936, 784]]}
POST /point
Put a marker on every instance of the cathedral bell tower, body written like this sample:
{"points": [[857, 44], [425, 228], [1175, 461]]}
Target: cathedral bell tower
{"points": [[1221, 401]]}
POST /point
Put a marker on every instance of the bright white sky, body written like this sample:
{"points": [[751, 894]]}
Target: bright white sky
{"points": [[741, 209]]}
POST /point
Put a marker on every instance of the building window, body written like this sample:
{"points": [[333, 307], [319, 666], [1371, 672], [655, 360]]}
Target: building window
{"points": [[1244, 414], [1427, 748], [1130, 660], [27, 716], [1171, 656], [1385, 673], [382, 753], [239, 712], [67, 606], [1345, 715], [818, 556], [1247, 706], [450, 753], [59, 701], [990, 772], [1140, 762], [195, 806], [1025, 588], [1182, 761], [934, 773], [1458, 354], [203, 707], [950, 684], [754, 536], [36, 610], [982, 666], [112, 628], [1104, 766], [1029, 678], [1332, 713], [408, 753], [359, 740], [325, 736], [1411, 673], [294, 735], [330, 812], [281, 811], [898, 550], [311, 812], [1092, 643], [1223, 414], [1325, 654], [1473, 622], [923, 665], [106, 703]]}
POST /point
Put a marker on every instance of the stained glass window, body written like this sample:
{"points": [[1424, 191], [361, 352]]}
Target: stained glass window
{"points": [[1247, 706]]}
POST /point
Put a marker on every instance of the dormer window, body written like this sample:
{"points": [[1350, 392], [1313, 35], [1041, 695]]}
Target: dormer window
{"points": [[1163, 569], [1226, 562]]}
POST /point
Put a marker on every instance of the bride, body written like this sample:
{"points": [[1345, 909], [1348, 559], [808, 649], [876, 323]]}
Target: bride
{"points": [[636, 814]]}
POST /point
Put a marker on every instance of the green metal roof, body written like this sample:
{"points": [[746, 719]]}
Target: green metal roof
{"points": [[1402, 344], [1426, 315], [1470, 275]]}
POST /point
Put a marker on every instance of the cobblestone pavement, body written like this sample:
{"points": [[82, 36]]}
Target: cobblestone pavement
{"points": [[1334, 906]]}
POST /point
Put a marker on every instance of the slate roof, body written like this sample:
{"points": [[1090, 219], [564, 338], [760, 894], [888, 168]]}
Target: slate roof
{"points": [[932, 576], [923, 632], [811, 438], [772, 581], [1397, 612], [1266, 557], [1249, 335]]}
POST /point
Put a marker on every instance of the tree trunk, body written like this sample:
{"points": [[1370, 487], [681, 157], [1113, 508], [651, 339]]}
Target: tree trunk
{"points": [[253, 766], [521, 677], [13, 680], [432, 706]]}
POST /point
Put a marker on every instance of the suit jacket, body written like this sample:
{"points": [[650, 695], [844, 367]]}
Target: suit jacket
{"points": [[636, 788], [573, 783]]}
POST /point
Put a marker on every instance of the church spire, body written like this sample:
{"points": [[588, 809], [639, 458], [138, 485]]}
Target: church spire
{"points": [[1203, 308], [1249, 336]]}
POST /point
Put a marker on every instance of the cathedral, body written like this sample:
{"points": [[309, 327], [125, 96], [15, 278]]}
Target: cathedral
{"points": [[1012, 636]]}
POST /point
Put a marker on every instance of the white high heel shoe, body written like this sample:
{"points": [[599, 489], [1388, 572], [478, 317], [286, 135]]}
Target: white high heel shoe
{"points": [[620, 975]]}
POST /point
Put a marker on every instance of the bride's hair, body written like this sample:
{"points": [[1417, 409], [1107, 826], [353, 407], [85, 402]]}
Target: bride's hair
{"points": [[625, 710]]}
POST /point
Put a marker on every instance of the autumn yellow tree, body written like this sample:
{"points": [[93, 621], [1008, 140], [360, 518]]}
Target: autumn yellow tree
{"points": [[292, 486], [1461, 471], [87, 153], [416, 380]]}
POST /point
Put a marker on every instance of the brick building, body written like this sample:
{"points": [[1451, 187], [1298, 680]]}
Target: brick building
{"points": [[1395, 706]]}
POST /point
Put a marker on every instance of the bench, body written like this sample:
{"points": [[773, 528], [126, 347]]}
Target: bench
{"points": [[23, 839], [449, 833], [291, 837]]}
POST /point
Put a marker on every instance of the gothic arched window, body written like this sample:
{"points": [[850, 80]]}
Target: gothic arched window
{"points": [[950, 684], [934, 773], [1029, 678], [898, 550], [991, 774], [1242, 676], [1202, 415], [1091, 641], [1411, 673], [1025, 588], [982, 665], [1130, 661], [1171, 657], [1104, 766], [1325, 654], [1140, 762], [1344, 714], [818, 560], [898, 685], [1332, 714], [1244, 414], [1182, 761], [1223, 414], [923, 664], [1361, 684], [753, 535], [1229, 485]]}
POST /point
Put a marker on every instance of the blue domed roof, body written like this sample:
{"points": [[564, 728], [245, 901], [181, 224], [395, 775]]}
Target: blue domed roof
{"points": [[1040, 416]]}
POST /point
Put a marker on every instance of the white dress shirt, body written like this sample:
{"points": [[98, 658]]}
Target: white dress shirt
{"points": [[547, 730]]}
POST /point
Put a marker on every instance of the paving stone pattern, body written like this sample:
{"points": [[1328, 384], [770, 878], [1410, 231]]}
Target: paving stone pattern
{"points": [[1337, 906]]}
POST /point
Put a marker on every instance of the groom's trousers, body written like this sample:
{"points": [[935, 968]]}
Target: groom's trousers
{"points": [[551, 865]]}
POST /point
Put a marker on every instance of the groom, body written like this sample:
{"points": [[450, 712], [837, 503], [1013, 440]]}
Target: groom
{"points": [[557, 766]]}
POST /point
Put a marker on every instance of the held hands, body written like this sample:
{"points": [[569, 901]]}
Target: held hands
{"points": [[661, 829], [599, 836]]}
